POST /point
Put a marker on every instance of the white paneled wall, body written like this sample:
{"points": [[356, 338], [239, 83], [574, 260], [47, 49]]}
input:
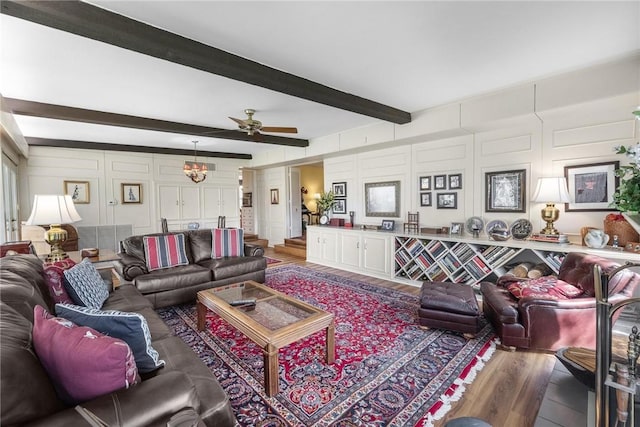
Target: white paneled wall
{"points": [[47, 168]]}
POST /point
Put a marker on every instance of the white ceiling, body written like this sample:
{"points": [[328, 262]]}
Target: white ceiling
{"points": [[409, 55]]}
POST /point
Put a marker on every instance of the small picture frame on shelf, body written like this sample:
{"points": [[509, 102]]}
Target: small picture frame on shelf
{"points": [[447, 201], [456, 228], [440, 182], [425, 183], [387, 225], [425, 199], [455, 181]]}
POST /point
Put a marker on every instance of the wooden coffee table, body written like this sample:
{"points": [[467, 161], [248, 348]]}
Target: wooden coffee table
{"points": [[276, 321]]}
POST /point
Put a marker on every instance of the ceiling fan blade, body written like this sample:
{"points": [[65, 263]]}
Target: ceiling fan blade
{"points": [[279, 129], [238, 121]]}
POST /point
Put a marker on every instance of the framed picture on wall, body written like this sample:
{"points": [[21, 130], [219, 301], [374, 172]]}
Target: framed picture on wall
{"points": [[131, 193], [425, 183], [440, 182], [505, 191], [247, 200], [455, 181], [339, 189], [425, 199], [275, 196], [382, 198], [591, 186], [78, 190], [340, 206], [447, 201]]}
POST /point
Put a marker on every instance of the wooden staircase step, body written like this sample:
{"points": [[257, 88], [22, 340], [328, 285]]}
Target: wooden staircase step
{"points": [[291, 250], [296, 243]]}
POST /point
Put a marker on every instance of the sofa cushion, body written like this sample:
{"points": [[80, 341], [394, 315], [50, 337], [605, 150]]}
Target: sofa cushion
{"points": [[131, 328], [223, 268], [546, 287], [126, 298], [165, 251], [172, 278], [85, 285], [26, 389], [54, 278], [82, 362], [227, 242]]}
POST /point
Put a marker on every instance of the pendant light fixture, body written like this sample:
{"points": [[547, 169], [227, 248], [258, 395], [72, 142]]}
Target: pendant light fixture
{"points": [[197, 173]]}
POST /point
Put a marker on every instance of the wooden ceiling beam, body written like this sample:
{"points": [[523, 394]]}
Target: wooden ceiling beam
{"points": [[88, 145], [99, 24], [60, 112]]}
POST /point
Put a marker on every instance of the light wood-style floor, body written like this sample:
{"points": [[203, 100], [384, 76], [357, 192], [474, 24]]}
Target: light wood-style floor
{"points": [[507, 392]]}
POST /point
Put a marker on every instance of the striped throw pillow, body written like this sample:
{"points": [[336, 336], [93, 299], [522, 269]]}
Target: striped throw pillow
{"points": [[164, 251], [227, 242]]}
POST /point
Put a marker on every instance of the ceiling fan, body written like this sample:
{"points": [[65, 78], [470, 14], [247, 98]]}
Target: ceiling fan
{"points": [[253, 127]]}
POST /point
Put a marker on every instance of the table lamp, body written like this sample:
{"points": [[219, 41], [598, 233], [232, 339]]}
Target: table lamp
{"points": [[551, 190], [54, 210]]}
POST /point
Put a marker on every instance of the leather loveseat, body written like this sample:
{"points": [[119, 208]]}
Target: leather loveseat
{"points": [[180, 284], [183, 388], [539, 322]]}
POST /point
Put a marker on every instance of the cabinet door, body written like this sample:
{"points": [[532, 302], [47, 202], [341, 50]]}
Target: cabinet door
{"points": [[329, 246], [169, 201], [229, 202], [350, 249], [190, 202], [314, 243], [376, 254], [211, 203]]}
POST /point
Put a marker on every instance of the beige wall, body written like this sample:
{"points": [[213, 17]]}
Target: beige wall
{"points": [[312, 178]]}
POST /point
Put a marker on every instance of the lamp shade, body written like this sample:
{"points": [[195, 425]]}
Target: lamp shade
{"points": [[551, 190], [52, 209]]}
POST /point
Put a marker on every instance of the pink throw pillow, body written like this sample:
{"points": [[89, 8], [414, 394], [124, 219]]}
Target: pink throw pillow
{"points": [[81, 362], [546, 287], [54, 275], [227, 242]]}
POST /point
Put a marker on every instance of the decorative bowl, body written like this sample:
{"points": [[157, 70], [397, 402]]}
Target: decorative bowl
{"points": [[500, 234], [596, 238]]}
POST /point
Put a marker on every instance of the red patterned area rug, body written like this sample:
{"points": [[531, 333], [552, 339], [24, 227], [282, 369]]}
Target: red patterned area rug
{"points": [[272, 262], [388, 371]]}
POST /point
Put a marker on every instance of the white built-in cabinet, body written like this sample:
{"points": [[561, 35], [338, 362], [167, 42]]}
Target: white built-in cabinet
{"points": [[184, 204], [366, 252], [415, 258]]}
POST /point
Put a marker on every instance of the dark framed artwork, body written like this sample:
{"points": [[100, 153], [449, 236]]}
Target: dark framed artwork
{"points": [[382, 198], [447, 200], [505, 191], [440, 182], [339, 206], [425, 183], [455, 181], [456, 228], [425, 199], [131, 193], [339, 189], [275, 196], [591, 186], [247, 200]]}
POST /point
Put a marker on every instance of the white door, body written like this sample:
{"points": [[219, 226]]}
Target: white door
{"points": [[169, 201], [10, 230], [376, 254], [190, 202], [294, 201], [350, 249]]}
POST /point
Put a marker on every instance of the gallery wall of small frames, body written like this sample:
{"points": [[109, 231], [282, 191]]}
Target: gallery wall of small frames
{"points": [[445, 199]]}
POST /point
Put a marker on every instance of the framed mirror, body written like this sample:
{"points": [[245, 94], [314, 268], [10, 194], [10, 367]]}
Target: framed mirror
{"points": [[382, 198]]}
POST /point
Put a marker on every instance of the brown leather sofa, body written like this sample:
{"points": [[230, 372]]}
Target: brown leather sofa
{"points": [[180, 284], [184, 387], [545, 324]]}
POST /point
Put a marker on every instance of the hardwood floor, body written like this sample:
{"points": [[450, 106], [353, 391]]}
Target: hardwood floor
{"points": [[507, 392]]}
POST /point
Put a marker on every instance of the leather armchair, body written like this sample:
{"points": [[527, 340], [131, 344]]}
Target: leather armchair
{"points": [[548, 324]]}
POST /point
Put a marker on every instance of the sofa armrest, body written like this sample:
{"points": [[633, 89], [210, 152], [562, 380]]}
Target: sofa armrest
{"points": [[253, 250], [152, 402], [130, 267], [505, 280]]}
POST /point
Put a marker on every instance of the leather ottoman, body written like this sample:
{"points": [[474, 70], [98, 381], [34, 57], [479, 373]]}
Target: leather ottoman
{"points": [[448, 305]]}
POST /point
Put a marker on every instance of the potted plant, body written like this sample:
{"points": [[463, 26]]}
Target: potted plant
{"points": [[324, 204], [627, 196]]}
